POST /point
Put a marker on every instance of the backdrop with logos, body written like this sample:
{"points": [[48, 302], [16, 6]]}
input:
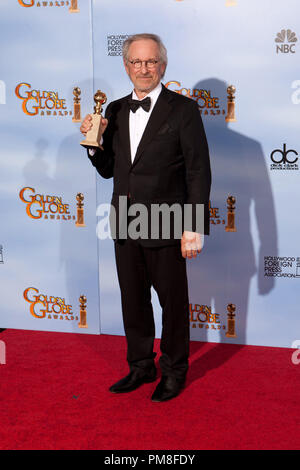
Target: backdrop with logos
{"points": [[238, 60], [49, 269]]}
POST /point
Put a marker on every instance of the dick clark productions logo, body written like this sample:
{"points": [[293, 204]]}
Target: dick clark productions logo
{"points": [[284, 159]]}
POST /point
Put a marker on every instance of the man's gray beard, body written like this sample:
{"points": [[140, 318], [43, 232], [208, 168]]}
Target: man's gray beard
{"points": [[148, 89]]}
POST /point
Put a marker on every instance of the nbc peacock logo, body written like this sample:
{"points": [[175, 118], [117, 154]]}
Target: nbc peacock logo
{"points": [[72, 4], [285, 41]]}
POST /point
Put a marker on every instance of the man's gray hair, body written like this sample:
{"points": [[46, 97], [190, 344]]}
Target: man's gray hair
{"points": [[138, 37]]}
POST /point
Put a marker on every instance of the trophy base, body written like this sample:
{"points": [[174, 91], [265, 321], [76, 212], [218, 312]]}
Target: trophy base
{"points": [[229, 229], [230, 336], [71, 10], [80, 225], [230, 120], [82, 326], [76, 120], [91, 144]]}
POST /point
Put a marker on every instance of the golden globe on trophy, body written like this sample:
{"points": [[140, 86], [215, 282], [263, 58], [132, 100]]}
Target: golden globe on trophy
{"points": [[230, 104], [230, 227], [93, 136], [82, 305], [230, 333], [77, 105]]}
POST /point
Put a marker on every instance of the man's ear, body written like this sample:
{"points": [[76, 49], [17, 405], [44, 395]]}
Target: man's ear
{"points": [[126, 66], [163, 70]]}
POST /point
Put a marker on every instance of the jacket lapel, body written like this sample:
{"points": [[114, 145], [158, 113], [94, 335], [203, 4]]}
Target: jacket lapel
{"points": [[159, 114], [124, 128]]}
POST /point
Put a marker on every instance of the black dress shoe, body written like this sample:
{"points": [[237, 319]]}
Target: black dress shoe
{"points": [[168, 388], [133, 380]]}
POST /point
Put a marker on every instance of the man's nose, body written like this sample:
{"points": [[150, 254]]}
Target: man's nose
{"points": [[144, 67]]}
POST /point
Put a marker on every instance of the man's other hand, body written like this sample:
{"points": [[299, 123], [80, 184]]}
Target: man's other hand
{"points": [[191, 244]]}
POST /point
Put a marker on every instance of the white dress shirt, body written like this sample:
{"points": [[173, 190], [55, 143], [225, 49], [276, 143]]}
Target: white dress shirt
{"points": [[138, 121]]}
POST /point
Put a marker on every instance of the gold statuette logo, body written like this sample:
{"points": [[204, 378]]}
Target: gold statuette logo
{"points": [[80, 210], [217, 219], [230, 227], [77, 105], [93, 136], [83, 315], [230, 117], [74, 6], [230, 333]]}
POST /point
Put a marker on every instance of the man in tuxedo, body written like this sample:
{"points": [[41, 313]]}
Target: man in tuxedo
{"points": [[154, 146]]}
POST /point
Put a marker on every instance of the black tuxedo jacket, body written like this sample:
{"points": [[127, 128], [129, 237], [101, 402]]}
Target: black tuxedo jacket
{"points": [[171, 163]]}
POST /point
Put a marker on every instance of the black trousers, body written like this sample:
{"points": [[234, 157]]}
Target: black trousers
{"points": [[164, 268]]}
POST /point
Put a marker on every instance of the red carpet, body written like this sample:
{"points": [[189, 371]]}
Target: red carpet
{"points": [[54, 396]]}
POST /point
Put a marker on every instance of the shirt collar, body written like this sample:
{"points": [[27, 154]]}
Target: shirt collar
{"points": [[153, 94]]}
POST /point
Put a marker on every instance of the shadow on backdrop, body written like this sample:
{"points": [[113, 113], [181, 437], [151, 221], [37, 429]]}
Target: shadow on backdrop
{"points": [[222, 273], [78, 248]]}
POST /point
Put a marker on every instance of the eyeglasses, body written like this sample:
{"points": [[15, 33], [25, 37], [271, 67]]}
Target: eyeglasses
{"points": [[150, 64]]}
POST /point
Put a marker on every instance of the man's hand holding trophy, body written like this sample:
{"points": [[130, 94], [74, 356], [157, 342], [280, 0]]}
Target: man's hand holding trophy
{"points": [[94, 125]]}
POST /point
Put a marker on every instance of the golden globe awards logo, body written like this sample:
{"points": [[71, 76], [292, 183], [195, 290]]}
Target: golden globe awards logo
{"points": [[207, 103], [48, 306], [72, 4], [40, 206], [41, 102], [227, 222], [201, 316]]}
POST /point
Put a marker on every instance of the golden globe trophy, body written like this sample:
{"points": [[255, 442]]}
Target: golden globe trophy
{"points": [[82, 305], [230, 104], [77, 105], [74, 6], [80, 211], [93, 136], [230, 333], [230, 227]]}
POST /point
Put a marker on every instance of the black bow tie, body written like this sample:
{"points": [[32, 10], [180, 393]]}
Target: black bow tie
{"points": [[135, 104]]}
